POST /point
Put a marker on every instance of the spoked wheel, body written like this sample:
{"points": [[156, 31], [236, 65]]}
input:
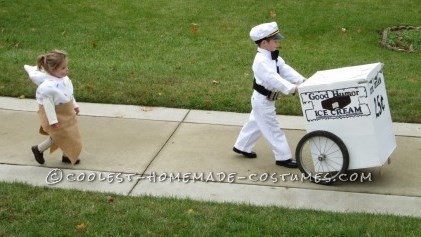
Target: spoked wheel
{"points": [[322, 157]]}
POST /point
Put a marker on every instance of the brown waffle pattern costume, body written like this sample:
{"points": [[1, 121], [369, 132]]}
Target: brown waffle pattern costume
{"points": [[67, 137]]}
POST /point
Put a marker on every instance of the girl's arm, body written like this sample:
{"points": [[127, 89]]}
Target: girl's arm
{"points": [[50, 110]]}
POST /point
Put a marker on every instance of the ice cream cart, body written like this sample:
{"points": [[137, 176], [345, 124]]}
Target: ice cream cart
{"points": [[348, 122]]}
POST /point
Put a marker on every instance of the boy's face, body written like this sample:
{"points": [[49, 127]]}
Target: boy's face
{"points": [[270, 45]]}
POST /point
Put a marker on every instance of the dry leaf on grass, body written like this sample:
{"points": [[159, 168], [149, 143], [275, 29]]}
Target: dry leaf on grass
{"points": [[194, 28], [207, 103], [89, 87], [81, 227], [92, 43], [110, 199], [132, 75], [413, 79]]}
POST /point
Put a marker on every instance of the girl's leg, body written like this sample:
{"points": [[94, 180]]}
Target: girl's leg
{"points": [[45, 144], [38, 150]]}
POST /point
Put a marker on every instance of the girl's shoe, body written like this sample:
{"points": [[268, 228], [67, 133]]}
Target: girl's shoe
{"points": [[39, 156], [66, 159]]}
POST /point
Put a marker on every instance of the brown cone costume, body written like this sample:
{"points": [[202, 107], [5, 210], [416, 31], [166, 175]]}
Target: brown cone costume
{"points": [[67, 136]]}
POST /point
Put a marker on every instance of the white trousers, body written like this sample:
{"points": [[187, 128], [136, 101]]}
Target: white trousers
{"points": [[263, 121]]}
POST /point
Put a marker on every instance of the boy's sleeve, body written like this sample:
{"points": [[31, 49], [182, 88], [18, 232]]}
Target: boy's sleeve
{"points": [[289, 73], [50, 110], [271, 80], [34, 74]]}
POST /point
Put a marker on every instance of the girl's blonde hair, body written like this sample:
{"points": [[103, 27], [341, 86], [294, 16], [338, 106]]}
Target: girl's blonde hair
{"points": [[51, 60]]}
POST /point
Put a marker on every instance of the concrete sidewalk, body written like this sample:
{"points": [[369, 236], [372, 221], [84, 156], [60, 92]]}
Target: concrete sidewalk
{"points": [[134, 150]]}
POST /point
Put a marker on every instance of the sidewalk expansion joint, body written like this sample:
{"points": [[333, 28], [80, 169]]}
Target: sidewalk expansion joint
{"points": [[159, 151]]}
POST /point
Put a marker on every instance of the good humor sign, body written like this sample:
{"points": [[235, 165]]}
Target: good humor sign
{"points": [[367, 98], [335, 104]]}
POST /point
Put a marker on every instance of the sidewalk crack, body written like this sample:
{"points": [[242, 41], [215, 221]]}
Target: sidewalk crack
{"points": [[159, 151]]}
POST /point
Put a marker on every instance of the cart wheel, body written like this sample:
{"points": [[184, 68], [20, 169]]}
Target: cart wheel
{"points": [[322, 157]]}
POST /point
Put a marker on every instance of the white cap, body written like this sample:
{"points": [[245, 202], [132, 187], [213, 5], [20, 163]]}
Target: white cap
{"points": [[265, 30]]}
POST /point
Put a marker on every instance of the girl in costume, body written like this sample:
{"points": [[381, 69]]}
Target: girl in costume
{"points": [[57, 107]]}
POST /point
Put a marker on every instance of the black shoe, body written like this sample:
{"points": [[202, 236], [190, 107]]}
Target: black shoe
{"points": [[66, 159], [246, 154], [39, 156], [290, 163]]}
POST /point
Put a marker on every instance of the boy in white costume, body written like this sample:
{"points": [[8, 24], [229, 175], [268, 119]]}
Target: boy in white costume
{"points": [[57, 107], [272, 76]]}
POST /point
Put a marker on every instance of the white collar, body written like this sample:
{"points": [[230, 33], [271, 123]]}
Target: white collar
{"points": [[266, 52]]}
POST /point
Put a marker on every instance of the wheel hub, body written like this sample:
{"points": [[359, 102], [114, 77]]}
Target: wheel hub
{"points": [[321, 157]]}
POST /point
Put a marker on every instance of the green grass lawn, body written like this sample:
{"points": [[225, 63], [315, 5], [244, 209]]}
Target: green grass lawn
{"points": [[55, 212], [197, 54]]}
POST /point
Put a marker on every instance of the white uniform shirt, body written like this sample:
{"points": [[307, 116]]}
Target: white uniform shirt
{"points": [[51, 91], [265, 73]]}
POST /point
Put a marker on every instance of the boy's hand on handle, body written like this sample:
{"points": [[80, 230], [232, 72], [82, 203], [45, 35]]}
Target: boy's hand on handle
{"points": [[296, 90]]}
